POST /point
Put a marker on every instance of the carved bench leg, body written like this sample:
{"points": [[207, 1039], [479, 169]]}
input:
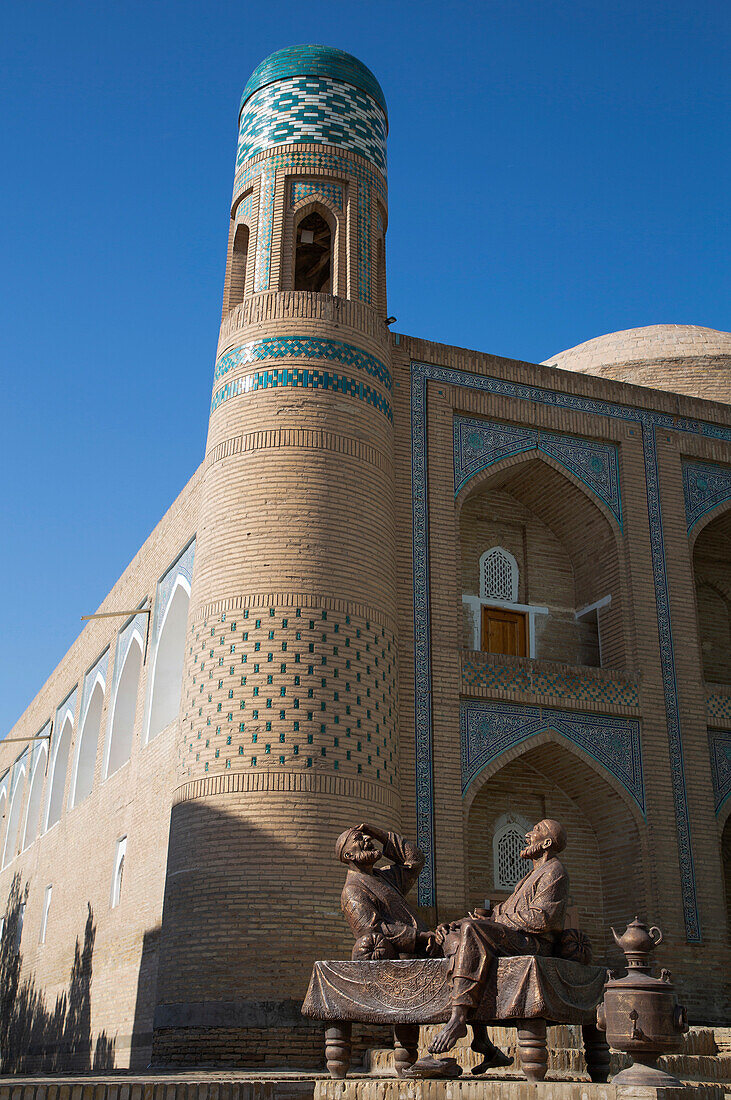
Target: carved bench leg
{"points": [[405, 1046], [596, 1052], [532, 1048], [337, 1049]]}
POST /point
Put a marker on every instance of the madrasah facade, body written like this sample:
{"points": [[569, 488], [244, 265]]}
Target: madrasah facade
{"points": [[411, 584]]}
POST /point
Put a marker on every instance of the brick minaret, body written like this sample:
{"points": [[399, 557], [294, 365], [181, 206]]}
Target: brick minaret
{"points": [[289, 717]]}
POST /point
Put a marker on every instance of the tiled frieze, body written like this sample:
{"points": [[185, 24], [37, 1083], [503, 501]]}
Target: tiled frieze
{"points": [[479, 444], [477, 672], [314, 189], [315, 111], [487, 730], [719, 743], [290, 687], [705, 486], [97, 671], [303, 347], [303, 378], [650, 422]]}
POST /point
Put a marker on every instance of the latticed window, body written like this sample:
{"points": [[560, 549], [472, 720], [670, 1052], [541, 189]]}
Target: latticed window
{"points": [[498, 575], [508, 842]]}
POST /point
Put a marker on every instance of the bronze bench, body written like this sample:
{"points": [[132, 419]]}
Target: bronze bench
{"points": [[527, 992]]}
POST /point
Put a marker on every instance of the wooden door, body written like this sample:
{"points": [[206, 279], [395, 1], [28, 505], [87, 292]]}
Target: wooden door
{"points": [[503, 631]]}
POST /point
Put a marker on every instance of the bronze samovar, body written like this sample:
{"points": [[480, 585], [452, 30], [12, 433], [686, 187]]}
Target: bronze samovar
{"points": [[640, 1013]]}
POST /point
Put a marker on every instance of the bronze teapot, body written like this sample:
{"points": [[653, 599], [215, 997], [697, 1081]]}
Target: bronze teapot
{"points": [[640, 1013]]}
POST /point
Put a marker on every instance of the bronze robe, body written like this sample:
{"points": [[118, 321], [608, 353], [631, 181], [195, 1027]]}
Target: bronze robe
{"points": [[376, 902], [525, 924]]}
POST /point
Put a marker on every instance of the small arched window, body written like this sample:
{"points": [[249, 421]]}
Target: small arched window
{"points": [[498, 575], [35, 798], [237, 274], [507, 843], [313, 254]]}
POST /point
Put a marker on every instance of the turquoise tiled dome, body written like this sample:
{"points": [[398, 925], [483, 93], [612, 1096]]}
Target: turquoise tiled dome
{"points": [[314, 61]]}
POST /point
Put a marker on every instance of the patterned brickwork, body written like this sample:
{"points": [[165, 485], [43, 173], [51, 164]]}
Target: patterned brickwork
{"points": [[719, 706], [525, 678], [290, 687], [314, 60], [315, 111], [314, 189], [487, 730]]}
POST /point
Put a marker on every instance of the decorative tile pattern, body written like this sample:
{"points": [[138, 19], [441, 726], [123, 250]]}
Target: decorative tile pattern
{"points": [[316, 111], [479, 444], [705, 486], [98, 670], [303, 347], [560, 685], [303, 378], [370, 182], [316, 189], [245, 207], [719, 744], [719, 705], [650, 422], [314, 60], [304, 687], [488, 729]]}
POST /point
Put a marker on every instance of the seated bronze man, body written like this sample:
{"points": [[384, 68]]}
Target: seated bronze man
{"points": [[529, 922]]}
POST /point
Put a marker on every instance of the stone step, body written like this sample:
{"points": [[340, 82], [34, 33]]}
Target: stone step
{"points": [[500, 1089]]}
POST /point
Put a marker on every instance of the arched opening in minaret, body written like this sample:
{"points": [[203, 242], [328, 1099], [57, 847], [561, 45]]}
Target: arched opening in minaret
{"points": [[313, 255], [237, 278]]}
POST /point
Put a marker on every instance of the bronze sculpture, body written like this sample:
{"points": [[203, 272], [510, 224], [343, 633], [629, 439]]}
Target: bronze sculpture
{"points": [[373, 898], [527, 923]]}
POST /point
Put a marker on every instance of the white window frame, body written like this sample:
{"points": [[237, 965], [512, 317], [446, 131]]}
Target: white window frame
{"points": [[505, 823], [116, 892], [475, 605]]}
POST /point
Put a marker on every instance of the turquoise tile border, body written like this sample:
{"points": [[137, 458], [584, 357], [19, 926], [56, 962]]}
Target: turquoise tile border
{"points": [[305, 347], [303, 378]]}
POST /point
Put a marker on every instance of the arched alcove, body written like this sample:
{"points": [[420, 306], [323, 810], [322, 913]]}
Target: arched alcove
{"points": [[604, 854], [167, 672], [124, 708], [88, 744], [313, 255], [712, 573], [566, 551], [14, 818], [3, 808], [59, 768], [239, 262], [35, 798]]}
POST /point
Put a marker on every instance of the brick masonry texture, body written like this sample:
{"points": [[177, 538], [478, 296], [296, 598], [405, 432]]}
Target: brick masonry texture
{"points": [[328, 668]]}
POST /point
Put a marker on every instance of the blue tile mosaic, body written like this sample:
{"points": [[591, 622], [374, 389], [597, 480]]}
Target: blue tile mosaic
{"points": [[245, 207], [719, 743], [303, 379], [705, 486], [313, 189], [314, 111], [421, 374], [304, 347], [487, 730], [314, 60], [479, 444]]}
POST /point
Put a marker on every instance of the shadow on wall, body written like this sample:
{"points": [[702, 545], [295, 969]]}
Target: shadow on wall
{"points": [[34, 1037]]}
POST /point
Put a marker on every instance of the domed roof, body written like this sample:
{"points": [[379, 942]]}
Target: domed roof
{"points": [[655, 343], [314, 61]]}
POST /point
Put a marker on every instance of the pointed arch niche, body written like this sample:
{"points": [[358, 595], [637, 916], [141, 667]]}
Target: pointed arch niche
{"points": [[605, 854], [92, 706], [15, 809], [556, 547], [168, 644], [128, 660], [37, 773], [63, 728], [712, 574], [315, 239]]}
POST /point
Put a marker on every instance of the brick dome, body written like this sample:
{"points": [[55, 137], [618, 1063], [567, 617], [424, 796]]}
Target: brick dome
{"points": [[680, 358]]}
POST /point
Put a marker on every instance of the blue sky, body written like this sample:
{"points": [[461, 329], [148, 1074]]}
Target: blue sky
{"points": [[557, 170]]}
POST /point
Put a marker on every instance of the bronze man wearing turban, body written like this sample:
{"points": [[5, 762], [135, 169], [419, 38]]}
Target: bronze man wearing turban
{"points": [[373, 898]]}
